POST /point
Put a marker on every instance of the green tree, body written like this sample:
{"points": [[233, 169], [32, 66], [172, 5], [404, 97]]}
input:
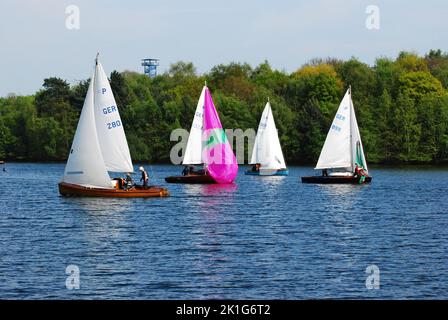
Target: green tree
{"points": [[54, 98], [401, 106], [411, 62], [406, 129], [438, 65], [120, 89], [78, 94], [419, 84], [381, 150]]}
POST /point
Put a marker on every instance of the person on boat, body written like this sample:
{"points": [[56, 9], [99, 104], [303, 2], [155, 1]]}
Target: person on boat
{"points": [[359, 171], [360, 174], [200, 172], [120, 183], [188, 170], [144, 177], [256, 167], [325, 173], [128, 183]]}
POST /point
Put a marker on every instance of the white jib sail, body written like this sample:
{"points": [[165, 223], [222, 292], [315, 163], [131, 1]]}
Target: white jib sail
{"points": [[109, 126], [357, 147], [267, 150], [85, 165], [193, 151], [337, 149]]}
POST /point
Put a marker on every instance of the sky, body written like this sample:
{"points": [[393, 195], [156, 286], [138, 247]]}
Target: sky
{"points": [[35, 42]]}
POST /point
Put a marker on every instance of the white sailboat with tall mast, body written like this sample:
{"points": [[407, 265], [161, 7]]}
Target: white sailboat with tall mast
{"points": [[194, 171], [208, 147], [267, 156], [342, 158], [193, 151], [100, 146]]}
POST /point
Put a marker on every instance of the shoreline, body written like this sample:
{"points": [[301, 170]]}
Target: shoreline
{"points": [[370, 165]]}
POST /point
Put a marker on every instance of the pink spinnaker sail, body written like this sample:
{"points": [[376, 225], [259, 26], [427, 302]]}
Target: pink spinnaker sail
{"points": [[217, 153]]}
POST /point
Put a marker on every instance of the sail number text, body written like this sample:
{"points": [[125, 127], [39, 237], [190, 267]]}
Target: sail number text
{"points": [[336, 128], [109, 109], [113, 124]]}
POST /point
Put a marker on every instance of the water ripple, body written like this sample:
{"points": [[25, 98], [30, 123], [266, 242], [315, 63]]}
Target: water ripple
{"points": [[262, 238]]}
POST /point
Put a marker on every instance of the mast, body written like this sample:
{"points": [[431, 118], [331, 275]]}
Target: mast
{"points": [[351, 127], [356, 141]]}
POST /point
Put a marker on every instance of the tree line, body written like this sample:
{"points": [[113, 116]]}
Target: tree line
{"points": [[401, 106]]}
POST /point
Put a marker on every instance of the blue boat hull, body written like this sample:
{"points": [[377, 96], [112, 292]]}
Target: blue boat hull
{"points": [[268, 173]]}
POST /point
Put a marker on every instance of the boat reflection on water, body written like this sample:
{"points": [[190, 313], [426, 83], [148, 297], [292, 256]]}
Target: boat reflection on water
{"points": [[338, 206], [206, 190], [102, 219], [213, 228], [339, 189], [272, 182], [340, 219], [223, 190], [337, 198], [101, 206], [210, 198]]}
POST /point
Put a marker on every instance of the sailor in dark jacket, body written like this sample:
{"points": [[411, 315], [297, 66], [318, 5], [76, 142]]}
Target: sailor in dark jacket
{"points": [[144, 177]]}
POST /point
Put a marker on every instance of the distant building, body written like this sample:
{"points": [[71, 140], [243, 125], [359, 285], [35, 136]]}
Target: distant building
{"points": [[150, 67]]}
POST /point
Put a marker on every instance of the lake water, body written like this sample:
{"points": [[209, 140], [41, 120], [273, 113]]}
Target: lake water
{"points": [[261, 238]]}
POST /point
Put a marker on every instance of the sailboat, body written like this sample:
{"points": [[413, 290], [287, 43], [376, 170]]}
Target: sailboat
{"points": [[100, 146], [342, 153], [267, 156], [207, 146]]}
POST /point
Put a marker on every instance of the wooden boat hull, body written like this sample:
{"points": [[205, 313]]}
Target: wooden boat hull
{"points": [[191, 179], [67, 189], [267, 173], [334, 180]]}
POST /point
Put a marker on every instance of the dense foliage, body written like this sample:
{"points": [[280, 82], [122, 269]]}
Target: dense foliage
{"points": [[401, 106]]}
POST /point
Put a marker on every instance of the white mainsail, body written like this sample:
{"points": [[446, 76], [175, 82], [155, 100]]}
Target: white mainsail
{"points": [[85, 165], [343, 141], [193, 151], [267, 150], [109, 127]]}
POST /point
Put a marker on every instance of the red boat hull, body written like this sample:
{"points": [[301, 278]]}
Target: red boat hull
{"points": [[67, 189]]}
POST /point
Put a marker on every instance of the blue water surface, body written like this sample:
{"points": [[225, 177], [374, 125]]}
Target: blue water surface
{"points": [[261, 238]]}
